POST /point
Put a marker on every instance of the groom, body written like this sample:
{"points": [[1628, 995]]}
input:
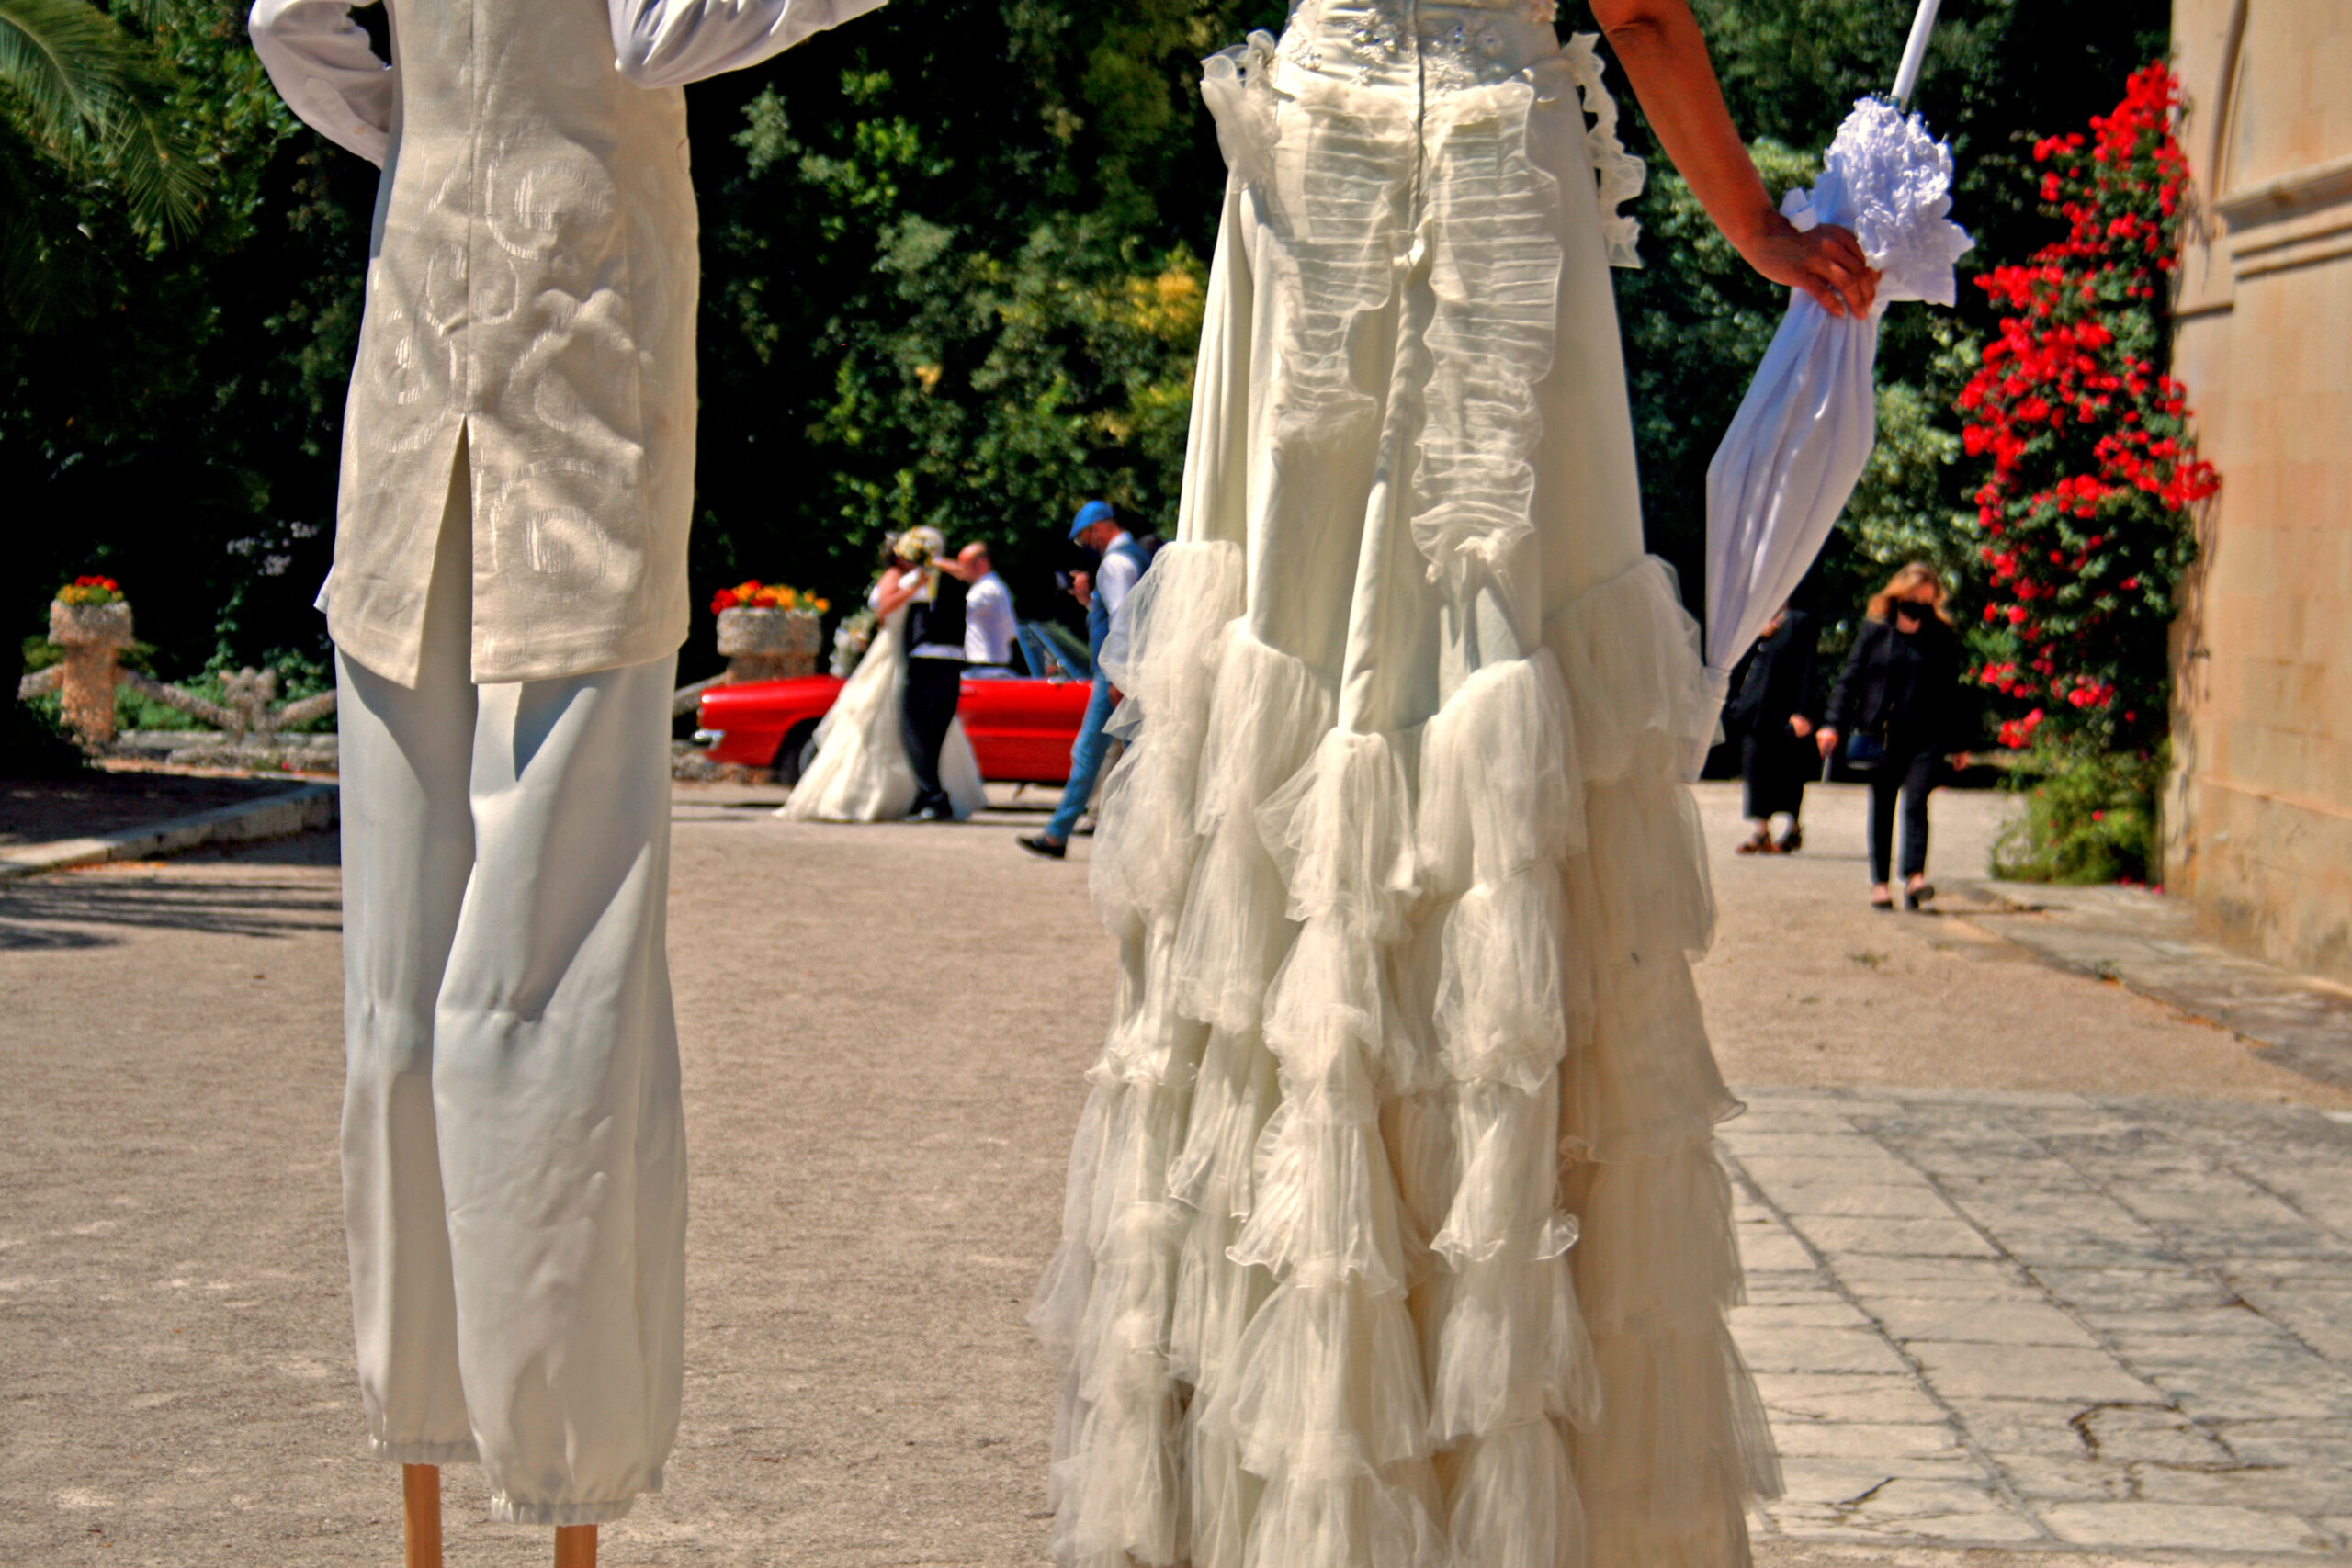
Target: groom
{"points": [[508, 596], [935, 638]]}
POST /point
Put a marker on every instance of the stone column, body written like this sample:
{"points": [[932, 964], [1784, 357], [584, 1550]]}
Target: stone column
{"points": [[92, 637]]}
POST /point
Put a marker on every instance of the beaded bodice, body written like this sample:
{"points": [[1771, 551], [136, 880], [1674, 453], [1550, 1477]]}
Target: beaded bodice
{"points": [[1436, 44]]}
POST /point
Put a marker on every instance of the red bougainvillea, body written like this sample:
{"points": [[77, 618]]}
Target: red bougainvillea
{"points": [[2085, 517]]}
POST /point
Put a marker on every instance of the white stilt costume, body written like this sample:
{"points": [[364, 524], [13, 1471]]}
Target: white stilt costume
{"points": [[508, 596], [1395, 1238]]}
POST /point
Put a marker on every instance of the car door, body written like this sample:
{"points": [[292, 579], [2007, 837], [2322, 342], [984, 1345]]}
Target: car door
{"points": [[1022, 726]]}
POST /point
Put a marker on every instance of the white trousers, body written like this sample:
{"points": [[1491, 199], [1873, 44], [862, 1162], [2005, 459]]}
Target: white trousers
{"points": [[513, 1149]]}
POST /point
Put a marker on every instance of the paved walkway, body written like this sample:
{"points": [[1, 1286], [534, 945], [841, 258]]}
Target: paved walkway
{"points": [[2150, 943], [878, 1119], [2052, 1319]]}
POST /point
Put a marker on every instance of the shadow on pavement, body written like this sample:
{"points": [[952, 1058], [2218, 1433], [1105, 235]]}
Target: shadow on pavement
{"points": [[101, 907]]}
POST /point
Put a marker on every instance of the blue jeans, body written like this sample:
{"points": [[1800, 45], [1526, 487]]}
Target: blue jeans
{"points": [[1085, 762]]}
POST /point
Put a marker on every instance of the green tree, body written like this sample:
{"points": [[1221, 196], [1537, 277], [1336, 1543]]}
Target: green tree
{"points": [[953, 293], [171, 419], [1998, 75], [82, 102]]}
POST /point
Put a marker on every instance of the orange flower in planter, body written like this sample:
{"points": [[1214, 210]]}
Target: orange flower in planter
{"points": [[91, 591], [757, 595]]}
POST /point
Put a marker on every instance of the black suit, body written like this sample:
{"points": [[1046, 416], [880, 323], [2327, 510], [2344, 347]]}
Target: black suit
{"points": [[1905, 688], [1782, 683], [934, 686]]}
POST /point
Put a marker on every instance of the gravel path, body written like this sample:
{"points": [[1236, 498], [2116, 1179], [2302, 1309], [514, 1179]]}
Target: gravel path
{"points": [[879, 1113]]}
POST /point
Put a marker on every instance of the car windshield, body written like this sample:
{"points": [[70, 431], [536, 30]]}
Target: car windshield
{"points": [[1053, 652]]}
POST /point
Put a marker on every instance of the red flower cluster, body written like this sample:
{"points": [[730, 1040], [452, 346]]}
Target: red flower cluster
{"points": [[90, 591], [2085, 513], [757, 595]]}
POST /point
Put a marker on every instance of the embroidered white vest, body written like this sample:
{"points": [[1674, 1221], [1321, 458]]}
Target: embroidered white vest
{"points": [[531, 290]]}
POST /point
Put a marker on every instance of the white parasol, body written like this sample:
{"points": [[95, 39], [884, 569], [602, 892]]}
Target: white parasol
{"points": [[1798, 443]]}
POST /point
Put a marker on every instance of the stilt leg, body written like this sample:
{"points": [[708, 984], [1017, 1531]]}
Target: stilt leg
{"points": [[576, 1546], [421, 1513]]}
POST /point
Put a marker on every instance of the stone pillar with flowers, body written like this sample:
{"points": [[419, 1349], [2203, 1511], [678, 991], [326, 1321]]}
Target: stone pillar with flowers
{"points": [[767, 631], [90, 619]]}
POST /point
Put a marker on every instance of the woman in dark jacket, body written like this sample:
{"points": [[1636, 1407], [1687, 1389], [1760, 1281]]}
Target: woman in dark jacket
{"points": [[1774, 714], [1897, 709]]}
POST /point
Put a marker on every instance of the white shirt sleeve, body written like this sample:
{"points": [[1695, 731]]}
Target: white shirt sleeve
{"points": [[323, 66], [990, 626], [667, 43]]}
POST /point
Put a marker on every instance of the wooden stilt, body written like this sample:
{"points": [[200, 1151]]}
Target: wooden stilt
{"points": [[421, 1513], [576, 1546]]}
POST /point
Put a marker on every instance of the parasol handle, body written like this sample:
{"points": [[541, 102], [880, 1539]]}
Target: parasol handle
{"points": [[1906, 77]]}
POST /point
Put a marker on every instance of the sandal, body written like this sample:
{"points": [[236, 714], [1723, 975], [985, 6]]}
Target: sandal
{"points": [[1789, 842], [1915, 897], [1883, 905], [1761, 844]]}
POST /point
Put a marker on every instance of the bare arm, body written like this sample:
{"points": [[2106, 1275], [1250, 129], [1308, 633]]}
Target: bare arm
{"points": [[899, 586], [1660, 44]]}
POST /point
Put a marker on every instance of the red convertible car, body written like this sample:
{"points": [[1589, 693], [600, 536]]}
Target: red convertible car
{"points": [[1021, 725]]}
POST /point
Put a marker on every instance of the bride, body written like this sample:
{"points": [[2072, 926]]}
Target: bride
{"points": [[860, 772]]}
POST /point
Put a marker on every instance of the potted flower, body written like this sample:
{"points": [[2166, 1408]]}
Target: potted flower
{"points": [[90, 612], [90, 619], [767, 631]]}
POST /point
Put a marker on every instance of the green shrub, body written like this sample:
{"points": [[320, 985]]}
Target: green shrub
{"points": [[2089, 817]]}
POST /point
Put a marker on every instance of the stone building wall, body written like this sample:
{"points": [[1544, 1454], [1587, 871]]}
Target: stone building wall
{"points": [[2259, 812]]}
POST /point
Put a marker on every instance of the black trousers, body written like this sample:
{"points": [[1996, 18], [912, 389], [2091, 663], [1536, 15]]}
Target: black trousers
{"points": [[1777, 764], [1908, 779], [933, 685]]}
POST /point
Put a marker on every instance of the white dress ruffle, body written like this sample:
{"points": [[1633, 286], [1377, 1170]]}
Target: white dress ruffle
{"points": [[1395, 1236]]}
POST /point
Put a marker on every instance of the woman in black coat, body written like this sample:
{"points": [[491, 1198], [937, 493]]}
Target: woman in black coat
{"points": [[1778, 704], [1897, 709]]}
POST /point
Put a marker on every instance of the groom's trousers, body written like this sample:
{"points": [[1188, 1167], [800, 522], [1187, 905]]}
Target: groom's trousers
{"points": [[934, 687], [514, 1151]]}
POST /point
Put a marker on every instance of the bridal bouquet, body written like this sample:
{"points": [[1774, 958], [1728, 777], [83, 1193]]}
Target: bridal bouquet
{"points": [[851, 639]]}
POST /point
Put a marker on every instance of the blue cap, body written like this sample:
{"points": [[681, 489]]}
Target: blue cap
{"points": [[1093, 511]]}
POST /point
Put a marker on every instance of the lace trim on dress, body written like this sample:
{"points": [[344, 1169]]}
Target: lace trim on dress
{"points": [[1620, 174]]}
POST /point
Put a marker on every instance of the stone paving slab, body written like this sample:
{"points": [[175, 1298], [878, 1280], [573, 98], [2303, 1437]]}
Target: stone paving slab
{"points": [[2045, 1322], [2144, 940]]}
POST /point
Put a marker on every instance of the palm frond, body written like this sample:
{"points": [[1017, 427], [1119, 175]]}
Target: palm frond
{"points": [[95, 99], [69, 64]]}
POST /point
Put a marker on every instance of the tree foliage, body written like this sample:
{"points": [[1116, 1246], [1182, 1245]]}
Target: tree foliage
{"points": [[171, 416], [1999, 74], [954, 256]]}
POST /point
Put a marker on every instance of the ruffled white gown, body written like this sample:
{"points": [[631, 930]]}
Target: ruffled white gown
{"points": [[860, 772], [1394, 1238]]}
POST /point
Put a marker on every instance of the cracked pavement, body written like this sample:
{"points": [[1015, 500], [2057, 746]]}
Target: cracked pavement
{"points": [[2051, 1320]]}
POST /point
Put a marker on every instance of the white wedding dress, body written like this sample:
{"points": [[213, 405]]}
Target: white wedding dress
{"points": [[1395, 1236], [860, 772]]}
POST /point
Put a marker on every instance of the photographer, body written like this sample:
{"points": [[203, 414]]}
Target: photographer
{"points": [[1120, 565]]}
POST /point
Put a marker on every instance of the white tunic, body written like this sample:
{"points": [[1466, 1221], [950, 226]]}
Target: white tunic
{"points": [[531, 292]]}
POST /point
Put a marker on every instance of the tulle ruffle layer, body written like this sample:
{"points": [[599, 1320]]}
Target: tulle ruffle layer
{"points": [[1395, 1235]]}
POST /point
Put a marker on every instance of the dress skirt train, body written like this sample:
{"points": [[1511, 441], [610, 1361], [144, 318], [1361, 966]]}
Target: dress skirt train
{"points": [[1394, 1238]]}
